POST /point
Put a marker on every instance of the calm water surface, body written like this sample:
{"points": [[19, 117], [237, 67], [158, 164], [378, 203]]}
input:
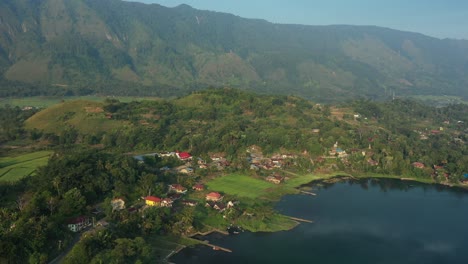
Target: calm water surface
{"points": [[370, 221]]}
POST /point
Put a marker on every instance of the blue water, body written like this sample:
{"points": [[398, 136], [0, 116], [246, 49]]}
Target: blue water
{"points": [[371, 221]]}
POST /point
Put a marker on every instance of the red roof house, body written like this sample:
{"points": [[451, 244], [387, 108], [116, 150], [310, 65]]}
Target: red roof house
{"points": [[214, 196], [198, 187], [152, 200], [418, 165], [183, 155], [177, 188]]}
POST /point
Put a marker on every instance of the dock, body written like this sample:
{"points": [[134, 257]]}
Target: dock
{"points": [[217, 247], [309, 193], [300, 219], [214, 247]]}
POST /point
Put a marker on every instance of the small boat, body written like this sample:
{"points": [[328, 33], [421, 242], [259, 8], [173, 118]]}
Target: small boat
{"points": [[235, 230]]}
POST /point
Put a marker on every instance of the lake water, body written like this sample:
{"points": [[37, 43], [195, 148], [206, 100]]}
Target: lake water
{"points": [[369, 221]]}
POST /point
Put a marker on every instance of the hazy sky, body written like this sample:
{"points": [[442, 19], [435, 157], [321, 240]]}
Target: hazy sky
{"points": [[438, 18]]}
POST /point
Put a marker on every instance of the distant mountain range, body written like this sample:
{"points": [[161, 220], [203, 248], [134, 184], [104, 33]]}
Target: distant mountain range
{"points": [[117, 47]]}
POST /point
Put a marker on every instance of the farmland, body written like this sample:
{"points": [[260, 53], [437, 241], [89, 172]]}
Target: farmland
{"points": [[240, 185], [15, 168]]}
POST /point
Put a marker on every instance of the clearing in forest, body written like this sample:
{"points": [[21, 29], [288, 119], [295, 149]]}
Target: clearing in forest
{"points": [[16, 168]]}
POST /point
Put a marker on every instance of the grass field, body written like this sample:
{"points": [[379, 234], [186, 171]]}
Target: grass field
{"points": [[15, 168], [47, 101], [240, 185], [86, 116]]}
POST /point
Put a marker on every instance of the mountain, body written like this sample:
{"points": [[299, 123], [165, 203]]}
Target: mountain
{"points": [[117, 47]]}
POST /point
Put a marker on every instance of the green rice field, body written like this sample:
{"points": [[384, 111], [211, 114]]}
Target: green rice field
{"points": [[16, 168], [240, 185]]}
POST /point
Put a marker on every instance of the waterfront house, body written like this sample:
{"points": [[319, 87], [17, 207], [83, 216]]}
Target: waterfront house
{"points": [[372, 162], [79, 223], [152, 201], [276, 179], [214, 196], [418, 165]]}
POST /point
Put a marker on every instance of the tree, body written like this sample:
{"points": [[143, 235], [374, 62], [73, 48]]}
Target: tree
{"points": [[72, 203]]}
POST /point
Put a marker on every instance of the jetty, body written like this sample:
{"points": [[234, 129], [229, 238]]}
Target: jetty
{"points": [[214, 247], [300, 219]]}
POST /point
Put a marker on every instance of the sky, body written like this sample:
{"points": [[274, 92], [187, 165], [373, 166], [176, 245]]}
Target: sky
{"points": [[436, 18]]}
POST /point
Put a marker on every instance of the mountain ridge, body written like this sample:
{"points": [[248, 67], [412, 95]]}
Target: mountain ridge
{"points": [[117, 47]]}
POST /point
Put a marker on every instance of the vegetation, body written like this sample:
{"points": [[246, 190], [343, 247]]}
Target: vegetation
{"points": [[240, 185], [15, 168], [93, 145]]}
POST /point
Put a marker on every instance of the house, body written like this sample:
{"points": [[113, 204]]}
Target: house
{"points": [[254, 167], [214, 196], [184, 169], [189, 202], [177, 188], [117, 204], [183, 155], [198, 187], [219, 207], [418, 165], [217, 156], [102, 223], [276, 179], [166, 202], [215, 205], [167, 154], [372, 162], [152, 201], [231, 204], [174, 196], [315, 130], [336, 151], [79, 223]]}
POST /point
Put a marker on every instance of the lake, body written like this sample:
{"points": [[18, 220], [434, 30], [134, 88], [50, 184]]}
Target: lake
{"points": [[357, 221]]}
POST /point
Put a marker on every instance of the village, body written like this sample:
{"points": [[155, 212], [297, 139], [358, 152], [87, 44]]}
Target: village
{"points": [[176, 194]]}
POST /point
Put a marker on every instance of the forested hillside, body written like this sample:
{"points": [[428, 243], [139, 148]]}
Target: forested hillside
{"points": [[117, 47]]}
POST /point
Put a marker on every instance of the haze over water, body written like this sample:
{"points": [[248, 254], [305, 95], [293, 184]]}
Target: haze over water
{"points": [[374, 221]]}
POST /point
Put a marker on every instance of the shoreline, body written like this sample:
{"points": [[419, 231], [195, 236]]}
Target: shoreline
{"points": [[311, 179]]}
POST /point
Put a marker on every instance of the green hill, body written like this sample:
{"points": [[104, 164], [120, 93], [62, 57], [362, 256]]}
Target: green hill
{"points": [[85, 116], [127, 48]]}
